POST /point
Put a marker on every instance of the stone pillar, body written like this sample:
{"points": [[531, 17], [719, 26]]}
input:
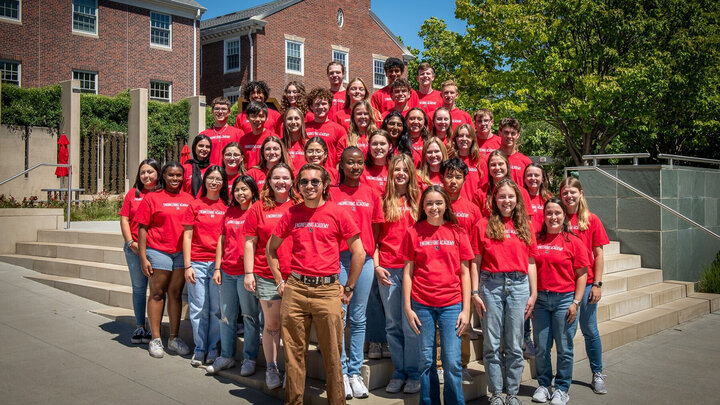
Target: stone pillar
{"points": [[137, 133], [70, 103], [197, 117]]}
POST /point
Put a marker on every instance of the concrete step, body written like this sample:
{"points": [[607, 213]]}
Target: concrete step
{"points": [[114, 274], [625, 303], [92, 253], [628, 280], [105, 293], [619, 262], [108, 239], [612, 248]]}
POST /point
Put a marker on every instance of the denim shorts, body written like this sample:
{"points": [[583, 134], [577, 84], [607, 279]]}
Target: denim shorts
{"points": [[266, 289], [164, 261]]}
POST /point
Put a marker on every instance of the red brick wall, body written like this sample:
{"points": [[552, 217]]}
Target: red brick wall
{"points": [[121, 52], [315, 21]]}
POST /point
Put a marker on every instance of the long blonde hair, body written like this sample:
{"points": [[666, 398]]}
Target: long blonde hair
{"points": [[491, 181], [583, 212], [353, 135], [453, 150], [424, 166], [391, 201], [496, 227]]}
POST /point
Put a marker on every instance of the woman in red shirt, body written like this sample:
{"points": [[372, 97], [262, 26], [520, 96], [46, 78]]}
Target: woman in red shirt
{"points": [[362, 124], [498, 168], [463, 145], [442, 125], [203, 222], [276, 198], [145, 181], [228, 274], [418, 128], [160, 245], [195, 168], [433, 153], [504, 247], [356, 91], [233, 163], [591, 231], [375, 174], [272, 151], [295, 96], [294, 137], [436, 291], [536, 184], [316, 152], [396, 126], [400, 209], [561, 262]]}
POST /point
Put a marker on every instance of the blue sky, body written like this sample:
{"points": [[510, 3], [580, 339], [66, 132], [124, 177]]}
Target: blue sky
{"points": [[413, 12]]}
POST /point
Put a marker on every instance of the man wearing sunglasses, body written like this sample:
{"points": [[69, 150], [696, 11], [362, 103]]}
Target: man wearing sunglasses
{"points": [[312, 293]]}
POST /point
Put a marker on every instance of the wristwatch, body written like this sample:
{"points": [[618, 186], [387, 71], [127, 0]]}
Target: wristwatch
{"points": [[474, 292], [576, 302], [597, 284], [349, 289], [129, 243]]}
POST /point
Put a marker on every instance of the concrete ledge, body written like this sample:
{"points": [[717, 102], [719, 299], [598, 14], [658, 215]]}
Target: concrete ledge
{"points": [[22, 224]]}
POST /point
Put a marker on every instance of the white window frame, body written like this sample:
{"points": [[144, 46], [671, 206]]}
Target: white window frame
{"points": [[166, 100], [225, 55], [87, 72], [232, 92], [97, 19], [346, 64], [375, 85], [300, 72], [169, 30], [19, 71], [19, 17]]}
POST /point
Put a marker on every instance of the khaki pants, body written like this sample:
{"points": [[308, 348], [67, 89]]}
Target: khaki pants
{"points": [[464, 348], [303, 305]]}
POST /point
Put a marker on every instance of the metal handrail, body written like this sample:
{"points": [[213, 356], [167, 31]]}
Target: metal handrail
{"points": [[654, 201], [69, 187], [633, 156], [671, 158]]}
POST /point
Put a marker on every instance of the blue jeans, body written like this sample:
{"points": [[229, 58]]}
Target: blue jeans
{"points": [[445, 318], [375, 316], [550, 325], [355, 313], [587, 317], [139, 285], [401, 338], [204, 308], [232, 294], [505, 296]]}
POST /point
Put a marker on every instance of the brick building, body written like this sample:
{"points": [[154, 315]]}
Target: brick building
{"points": [[110, 46], [288, 40]]}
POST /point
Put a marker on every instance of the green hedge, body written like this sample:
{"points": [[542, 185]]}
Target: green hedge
{"points": [[102, 114], [165, 122], [38, 107]]}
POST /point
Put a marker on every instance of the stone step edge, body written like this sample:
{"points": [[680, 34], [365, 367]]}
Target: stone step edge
{"points": [[75, 245], [75, 262]]}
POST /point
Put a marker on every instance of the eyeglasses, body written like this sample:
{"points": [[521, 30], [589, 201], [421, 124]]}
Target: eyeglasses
{"points": [[214, 179], [313, 182], [312, 152]]}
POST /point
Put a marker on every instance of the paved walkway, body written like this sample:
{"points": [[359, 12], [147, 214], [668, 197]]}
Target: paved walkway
{"points": [[55, 350]]}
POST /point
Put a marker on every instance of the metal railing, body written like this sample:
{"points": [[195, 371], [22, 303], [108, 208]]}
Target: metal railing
{"points": [[69, 185], [672, 158], [633, 156]]}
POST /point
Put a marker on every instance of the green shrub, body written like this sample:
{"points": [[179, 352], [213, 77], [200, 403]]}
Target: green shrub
{"points": [[31, 107], [710, 278], [102, 114]]}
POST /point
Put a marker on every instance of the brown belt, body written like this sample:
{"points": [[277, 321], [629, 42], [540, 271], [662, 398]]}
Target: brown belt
{"points": [[317, 280]]}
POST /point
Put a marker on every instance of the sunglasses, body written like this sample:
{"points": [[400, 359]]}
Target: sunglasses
{"points": [[313, 182]]}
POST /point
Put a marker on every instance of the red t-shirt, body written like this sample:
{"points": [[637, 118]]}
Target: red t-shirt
{"points": [[206, 218], [487, 146], [557, 259], [273, 122], [233, 249], [536, 206], [331, 133], [316, 234], [391, 237], [518, 163], [231, 180], [129, 209], [342, 118], [507, 255], [437, 252], [261, 223], [434, 177], [338, 101], [376, 177], [417, 147], [297, 155], [258, 175], [220, 138], [480, 199], [381, 100], [458, 117], [362, 143], [187, 178], [251, 144], [364, 207], [467, 213], [430, 102], [162, 213], [473, 178], [592, 237]]}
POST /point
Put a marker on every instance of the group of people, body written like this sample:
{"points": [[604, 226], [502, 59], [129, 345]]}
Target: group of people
{"points": [[394, 214]]}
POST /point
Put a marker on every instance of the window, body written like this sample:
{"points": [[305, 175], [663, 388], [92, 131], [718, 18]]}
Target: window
{"points": [[379, 79], [342, 57], [10, 9], [88, 81], [85, 16], [160, 91], [293, 57], [232, 96], [10, 72], [232, 55], [160, 29]]}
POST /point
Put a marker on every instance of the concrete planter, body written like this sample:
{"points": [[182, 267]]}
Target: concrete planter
{"points": [[22, 224]]}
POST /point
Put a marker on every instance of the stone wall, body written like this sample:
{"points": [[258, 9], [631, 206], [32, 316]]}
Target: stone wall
{"points": [[41, 148]]}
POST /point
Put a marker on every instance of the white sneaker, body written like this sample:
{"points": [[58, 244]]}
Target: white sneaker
{"points": [[272, 377], [411, 387], [348, 389], [441, 376], [178, 346], [386, 351], [542, 394], [559, 398], [221, 363], [359, 389], [466, 377], [247, 368], [155, 348], [394, 386], [598, 383], [211, 356], [197, 359], [375, 351]]}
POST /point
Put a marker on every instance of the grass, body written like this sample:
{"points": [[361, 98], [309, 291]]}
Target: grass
{"points": [[101, 208], [710, 278]]}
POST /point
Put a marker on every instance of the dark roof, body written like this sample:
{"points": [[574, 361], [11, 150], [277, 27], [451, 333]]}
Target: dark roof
{"points": [[190, 3], [258, 12]]}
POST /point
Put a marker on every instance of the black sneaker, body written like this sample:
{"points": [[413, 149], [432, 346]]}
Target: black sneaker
{"points": [[137, 336], [147, 337]]}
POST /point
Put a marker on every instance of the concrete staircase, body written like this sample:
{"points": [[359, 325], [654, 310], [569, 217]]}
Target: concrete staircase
{"points": [[636, 303]]}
